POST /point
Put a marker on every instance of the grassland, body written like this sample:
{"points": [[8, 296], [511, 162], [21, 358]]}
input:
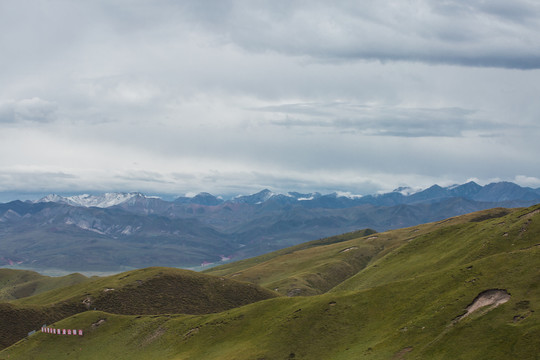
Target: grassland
{"points": [[17, 284], [147, 291], [306, 269], [404, 302]]}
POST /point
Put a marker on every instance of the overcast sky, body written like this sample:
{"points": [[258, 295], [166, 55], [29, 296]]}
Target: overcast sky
{"points": [[230, 97]]}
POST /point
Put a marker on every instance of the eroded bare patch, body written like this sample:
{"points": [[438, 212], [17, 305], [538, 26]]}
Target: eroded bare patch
{"points": [[154, 336], [191, 332], [400, 354], [489, 298], [98, 323], [529, 215]]}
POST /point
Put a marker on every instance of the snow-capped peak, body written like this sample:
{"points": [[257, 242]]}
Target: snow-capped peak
{"points": [[257, 198], [85, 200], [406, 190], [348, 195], [52, 198]]}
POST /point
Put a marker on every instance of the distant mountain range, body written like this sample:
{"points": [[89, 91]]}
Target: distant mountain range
{"points": [[494, 192], [116, 231]]}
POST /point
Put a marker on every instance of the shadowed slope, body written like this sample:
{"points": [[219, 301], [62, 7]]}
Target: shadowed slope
{"points": [[145, 291], [16, 284], [155, 291]]}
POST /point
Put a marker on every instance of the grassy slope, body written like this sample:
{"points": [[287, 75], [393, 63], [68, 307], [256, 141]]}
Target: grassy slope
{"points": [[402, 305], [452, 244], [317, 266], [16, 321], [155, 290], [306, 269], [145, 291], [16, 284]]}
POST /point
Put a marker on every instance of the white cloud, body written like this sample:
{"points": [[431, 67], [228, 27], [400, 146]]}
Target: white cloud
{"points": [[530, 181], [227, 95]]}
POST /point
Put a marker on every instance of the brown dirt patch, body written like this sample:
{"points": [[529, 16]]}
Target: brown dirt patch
{"points": [[490, 298], [401, 353], [98, 323], [531, 214], [191, 332]]}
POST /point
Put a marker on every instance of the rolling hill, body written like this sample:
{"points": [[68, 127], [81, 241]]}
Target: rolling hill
{"points": [[16, 284], [462, 288], [149, 291]]}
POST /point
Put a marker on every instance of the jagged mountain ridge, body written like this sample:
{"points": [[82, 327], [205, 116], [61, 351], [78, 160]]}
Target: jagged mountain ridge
{"points": [[86, 200], [494, 192], [140, 231]]}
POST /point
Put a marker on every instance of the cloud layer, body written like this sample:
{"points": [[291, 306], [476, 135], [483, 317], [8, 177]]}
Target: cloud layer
{"points": [[234, 96]]}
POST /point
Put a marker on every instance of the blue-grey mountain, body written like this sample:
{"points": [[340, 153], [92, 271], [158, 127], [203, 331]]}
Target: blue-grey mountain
{"points": [[130, 230]]}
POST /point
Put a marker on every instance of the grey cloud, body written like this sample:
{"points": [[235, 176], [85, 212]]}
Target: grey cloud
{"points": [[518, 12], [34, 110], [34, 180], [144, 176], [308, 95], [472, 33], [384, 121]]}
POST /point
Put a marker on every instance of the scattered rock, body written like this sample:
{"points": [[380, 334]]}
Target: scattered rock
{"points": [[521, 317]]}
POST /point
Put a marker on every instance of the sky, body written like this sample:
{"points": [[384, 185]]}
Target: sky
{"points": [[230, 97]]}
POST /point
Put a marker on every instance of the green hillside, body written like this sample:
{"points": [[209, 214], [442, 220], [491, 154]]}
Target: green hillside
{"points": [[317, 266], [153, 291], [306, 269], [463, 288], [147, 291], [16, 284]]}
